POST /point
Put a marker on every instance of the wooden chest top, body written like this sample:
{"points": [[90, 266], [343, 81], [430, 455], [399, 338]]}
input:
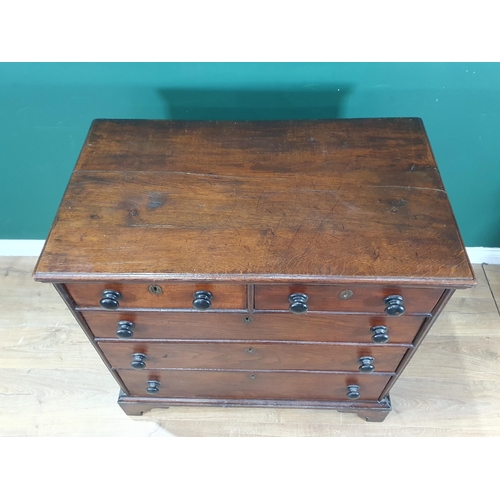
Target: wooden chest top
{"points": [[338, 201]]}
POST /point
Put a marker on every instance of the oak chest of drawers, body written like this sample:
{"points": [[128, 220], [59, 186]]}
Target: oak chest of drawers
{"points": [[295, 264]]}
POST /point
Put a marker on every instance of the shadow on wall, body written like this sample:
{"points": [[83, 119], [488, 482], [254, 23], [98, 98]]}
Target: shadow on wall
{"points": [[307, 103]]}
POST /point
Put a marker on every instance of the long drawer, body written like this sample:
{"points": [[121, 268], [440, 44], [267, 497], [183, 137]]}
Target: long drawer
{"points": [[258, 326], [244, 355], [252, 384], [346, 298]]}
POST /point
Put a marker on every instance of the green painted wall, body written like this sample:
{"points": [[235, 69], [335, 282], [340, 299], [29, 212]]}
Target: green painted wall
{"points": [[46, 110]]}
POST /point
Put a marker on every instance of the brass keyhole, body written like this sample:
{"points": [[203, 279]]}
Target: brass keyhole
{"points": [[346, 294], [155, 289], [250, 350], [247, 319]]}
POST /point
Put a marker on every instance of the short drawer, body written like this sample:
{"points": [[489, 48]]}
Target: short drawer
{"points": [[257, 326], [159, 296], [345, 298], [252, 356], [252, 385]]}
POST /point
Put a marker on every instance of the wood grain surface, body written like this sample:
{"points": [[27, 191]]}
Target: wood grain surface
{"points": [[334, 201], [53, 383], [267, 147], [256, 326], [363, 299], [251, 356], [173, 295], [254, 384]]}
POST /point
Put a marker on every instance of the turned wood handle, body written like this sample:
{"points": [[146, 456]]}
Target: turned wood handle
{"points": [[298, 303], [124, 329], [366, 364], [202, 300], [152, 387], [110, 299], [394, 305], [380, 334], [138, 361], [353, 392]]}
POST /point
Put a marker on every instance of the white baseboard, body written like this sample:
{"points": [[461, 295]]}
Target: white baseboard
{"points": [[21, 248], [32, 248], [483, 255]]}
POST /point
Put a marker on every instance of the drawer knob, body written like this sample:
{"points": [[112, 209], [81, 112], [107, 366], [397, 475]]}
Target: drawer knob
{"points": [[124, 330], [394, 305], [138, 361], [110, 299], [202, 300], [366, 364], [152, 387], [380, 334], [353, 392], [298, 303]]}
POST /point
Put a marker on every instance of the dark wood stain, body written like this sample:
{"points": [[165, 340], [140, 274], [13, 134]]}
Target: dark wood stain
{"points": [[274, 202], [344, 211], [364, 298], [250, 356], [254, 384], [173, 295], [263, 326]]}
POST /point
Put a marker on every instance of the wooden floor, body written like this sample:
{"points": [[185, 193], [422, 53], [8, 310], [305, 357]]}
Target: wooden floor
{"points": [[53, 383]]}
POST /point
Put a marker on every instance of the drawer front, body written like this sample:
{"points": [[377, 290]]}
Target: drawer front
{"points": [[253, 385], [248, 356], [164, 296], [346, 298], [258, 326]]}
